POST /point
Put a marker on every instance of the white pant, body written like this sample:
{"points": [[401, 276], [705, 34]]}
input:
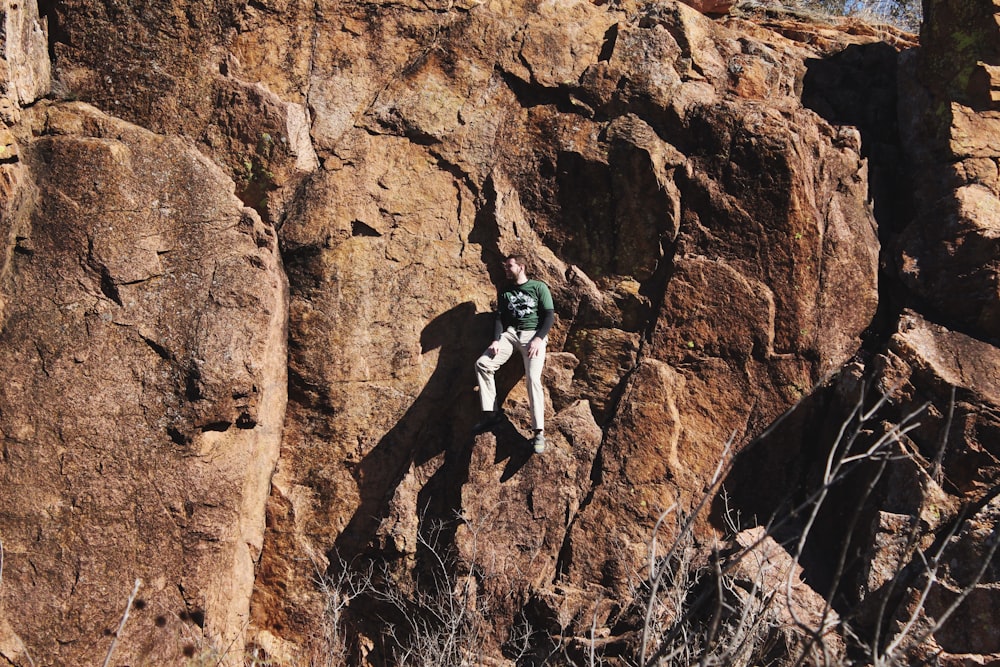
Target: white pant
{"points": [[486, 366]]}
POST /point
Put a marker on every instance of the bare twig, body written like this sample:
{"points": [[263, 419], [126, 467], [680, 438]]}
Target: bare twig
{"points": [[593, 635], [725, 463], [713, 626], [936, 471], [966, 590], [653, 541], [121, 625]]}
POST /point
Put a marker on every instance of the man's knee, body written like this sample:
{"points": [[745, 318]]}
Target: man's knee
{"points": [[484, 364]]}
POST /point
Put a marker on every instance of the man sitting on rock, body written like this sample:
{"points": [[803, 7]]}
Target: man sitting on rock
{"points": [[524, 316]]}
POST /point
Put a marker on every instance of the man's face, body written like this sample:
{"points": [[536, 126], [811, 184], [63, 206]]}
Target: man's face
{"points": [[512, 268]]}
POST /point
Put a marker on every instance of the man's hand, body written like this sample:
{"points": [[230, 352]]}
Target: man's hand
{"points": [[535, 348], [493, 348]]}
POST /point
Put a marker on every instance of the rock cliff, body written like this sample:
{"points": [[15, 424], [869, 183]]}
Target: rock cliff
{"points": [[250, 255]]}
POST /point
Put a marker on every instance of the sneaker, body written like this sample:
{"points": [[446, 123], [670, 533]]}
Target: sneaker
{"points": [[539, 442], [489, 420]]}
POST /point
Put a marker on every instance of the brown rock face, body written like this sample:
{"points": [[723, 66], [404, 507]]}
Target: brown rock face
{"points": [[958, 375], [711, 6], [948, 255], [626, 154], [933, 499], [683, 317], [24, 65], [290, 472], [144, 349]]}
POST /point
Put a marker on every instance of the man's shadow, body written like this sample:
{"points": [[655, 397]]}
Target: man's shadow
{"points": [[511, 445], [438, 422]]}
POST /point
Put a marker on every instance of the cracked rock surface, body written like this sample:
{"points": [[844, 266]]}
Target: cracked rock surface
{"points": [[250, 254], [143, 348]]}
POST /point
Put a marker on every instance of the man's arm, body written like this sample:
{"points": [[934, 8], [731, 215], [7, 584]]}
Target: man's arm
{"points": [[537, 342], [497, 331], [546, 318], [546, 311]]}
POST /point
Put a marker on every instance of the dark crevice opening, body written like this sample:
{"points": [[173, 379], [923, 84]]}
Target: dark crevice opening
{"points": [[160, 350], [177, 437], [245, 421], [220, 426], [530, 94], [359, 228], [108, 286], [858, 87], [608, 48], [48, 10], [192, 386]]}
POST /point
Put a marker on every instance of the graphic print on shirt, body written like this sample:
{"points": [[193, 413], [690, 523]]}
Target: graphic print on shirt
{"points": [[521, 304]]}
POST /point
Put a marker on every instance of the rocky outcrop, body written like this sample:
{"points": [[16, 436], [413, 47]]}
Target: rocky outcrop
{"points": [[917, 410], [144, 349], [951, 135], [909, 438], [944, 491], [711, 6], [697, 192], [24, 66], [632, 178], [951, 491]]}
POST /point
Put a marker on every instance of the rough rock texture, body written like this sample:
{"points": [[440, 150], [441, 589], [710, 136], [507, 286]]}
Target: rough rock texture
{"points": [[711, 6], [701, 195], [947, 256], [939, 490], [763, 567], [629, 163], [951, 132], [914, 506], [24, 60], [143, 348]]}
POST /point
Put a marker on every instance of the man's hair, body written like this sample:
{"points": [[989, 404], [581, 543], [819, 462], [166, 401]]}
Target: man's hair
{"points": [[520, 259]]}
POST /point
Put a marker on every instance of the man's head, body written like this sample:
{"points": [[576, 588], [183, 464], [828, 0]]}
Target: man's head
{"points": [[516, 268]]}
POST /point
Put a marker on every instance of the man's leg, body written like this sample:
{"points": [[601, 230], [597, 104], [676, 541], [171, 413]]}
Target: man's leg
{"points": [[486, 367], [533, 380]]}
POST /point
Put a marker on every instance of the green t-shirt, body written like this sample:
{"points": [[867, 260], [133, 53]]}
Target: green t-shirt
{"points": [[519, 305]]}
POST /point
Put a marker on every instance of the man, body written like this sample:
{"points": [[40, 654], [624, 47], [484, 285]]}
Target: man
{"points": [[523, 319]]}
